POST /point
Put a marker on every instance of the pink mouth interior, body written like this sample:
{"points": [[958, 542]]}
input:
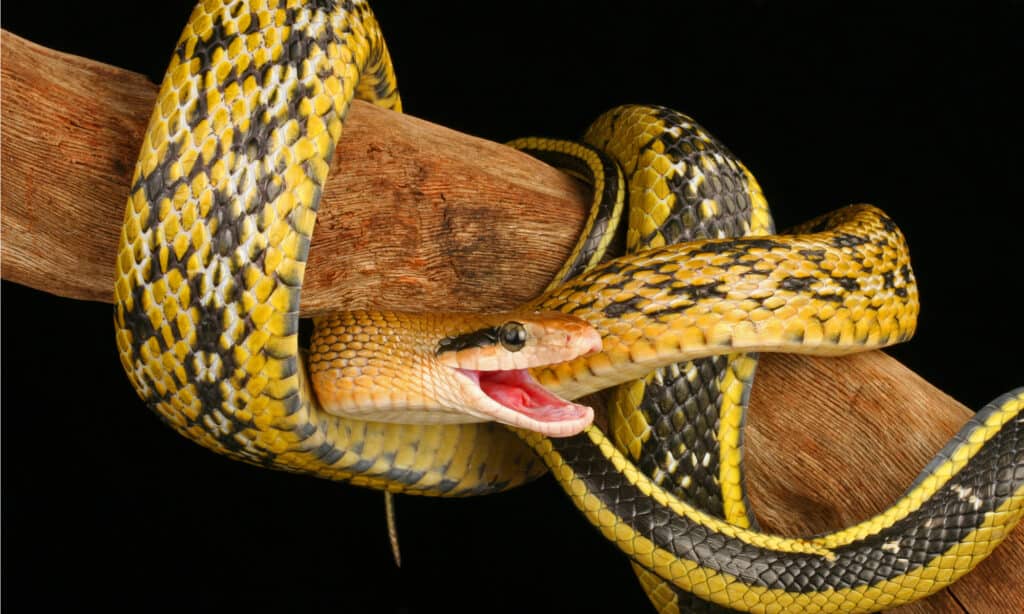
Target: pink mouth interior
{"points": [[518, 391]]}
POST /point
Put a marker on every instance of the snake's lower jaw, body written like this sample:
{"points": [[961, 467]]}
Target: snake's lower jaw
{"points": [[516, 399]]}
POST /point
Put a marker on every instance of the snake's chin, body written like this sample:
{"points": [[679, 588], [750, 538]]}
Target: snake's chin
{"points": [[515, 398]]}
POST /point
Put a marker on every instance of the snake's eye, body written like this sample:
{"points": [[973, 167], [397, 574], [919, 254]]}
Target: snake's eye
{"points": [[512, 336]]}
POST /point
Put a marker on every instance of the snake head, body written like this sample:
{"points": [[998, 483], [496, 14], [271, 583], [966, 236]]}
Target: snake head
{"points": [[449, 368]]}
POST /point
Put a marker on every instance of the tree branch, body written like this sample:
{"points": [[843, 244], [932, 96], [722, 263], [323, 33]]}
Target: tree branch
{"points": [[410, 208]]}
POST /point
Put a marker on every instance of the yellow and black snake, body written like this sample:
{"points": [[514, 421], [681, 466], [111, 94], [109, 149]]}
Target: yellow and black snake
{"points": [[208, 282]]}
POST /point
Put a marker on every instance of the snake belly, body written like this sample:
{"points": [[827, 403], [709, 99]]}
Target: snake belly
{"points": [[209, 272]]}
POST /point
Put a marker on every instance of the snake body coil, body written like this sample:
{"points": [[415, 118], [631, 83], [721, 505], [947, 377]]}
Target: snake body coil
{"points": [[210, 269]]}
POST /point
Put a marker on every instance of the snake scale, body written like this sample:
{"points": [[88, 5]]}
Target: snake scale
{"points": [[208, 280]]}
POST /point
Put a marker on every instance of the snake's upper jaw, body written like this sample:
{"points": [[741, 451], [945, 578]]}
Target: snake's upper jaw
{"points": [[516, 399]]}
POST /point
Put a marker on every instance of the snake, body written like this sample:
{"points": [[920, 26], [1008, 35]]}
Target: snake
{"points": [[208, 279]]}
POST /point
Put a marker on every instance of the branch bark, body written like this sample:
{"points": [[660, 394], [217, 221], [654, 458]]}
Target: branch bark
{"points": [[408, 208], [419, 217]]}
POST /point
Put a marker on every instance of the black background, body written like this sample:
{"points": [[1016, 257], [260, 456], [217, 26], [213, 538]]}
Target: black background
{"points": [[913, 110]]}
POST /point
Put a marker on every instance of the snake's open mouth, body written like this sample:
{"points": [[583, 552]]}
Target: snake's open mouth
{"points": [[524, 403]]}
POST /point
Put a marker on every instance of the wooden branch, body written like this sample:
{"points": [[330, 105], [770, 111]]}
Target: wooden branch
{"points": [[416, 216], [408, 207]]}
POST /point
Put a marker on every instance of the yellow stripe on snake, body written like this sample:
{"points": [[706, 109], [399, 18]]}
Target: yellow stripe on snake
{"points": [[210, 269]]}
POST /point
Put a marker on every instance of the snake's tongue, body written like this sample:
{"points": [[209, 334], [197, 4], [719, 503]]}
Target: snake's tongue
{"points": [[535, 408]]}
